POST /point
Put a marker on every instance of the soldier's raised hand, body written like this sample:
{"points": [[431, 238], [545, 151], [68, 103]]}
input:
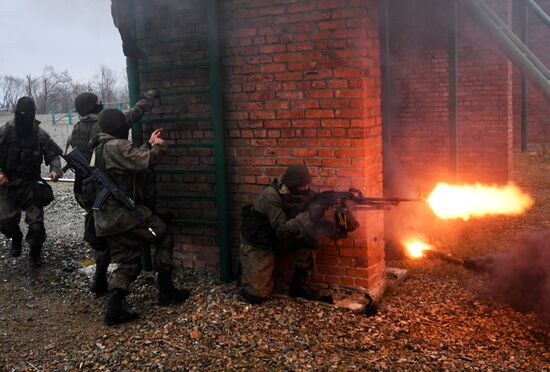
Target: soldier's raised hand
{"points": [[156, 138], [54, 176], [152, 93], [3, 179]]}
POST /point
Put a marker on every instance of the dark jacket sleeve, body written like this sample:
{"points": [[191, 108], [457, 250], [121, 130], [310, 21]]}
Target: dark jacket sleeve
{"points": [[137, 112], [50, 157]]}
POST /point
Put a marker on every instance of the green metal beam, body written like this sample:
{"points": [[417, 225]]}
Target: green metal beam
{"points": [[174, 67], [170, 170], [453, 84], [185, 196], [194, 222], [184, 92], [186, 119], [190, 145], [133, 92], [524, 89], [218, 137], [164, 42]]}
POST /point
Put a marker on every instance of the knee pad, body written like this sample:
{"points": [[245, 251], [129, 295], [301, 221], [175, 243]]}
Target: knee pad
{"points": [[36, 233]]}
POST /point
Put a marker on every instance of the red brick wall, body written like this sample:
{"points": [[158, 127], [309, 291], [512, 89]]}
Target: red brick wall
{"points": [[301, 86], [419, 78], [538, 107]]}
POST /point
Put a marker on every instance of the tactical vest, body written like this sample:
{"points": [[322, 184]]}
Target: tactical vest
{"points": [[255, 226], [82, 133], [139, 186], [20, 157], [124, 180]]}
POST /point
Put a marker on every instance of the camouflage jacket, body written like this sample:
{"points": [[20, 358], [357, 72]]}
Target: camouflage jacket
{"points": [[21, 158], [129, 167], [87, 127], [269, 204]]}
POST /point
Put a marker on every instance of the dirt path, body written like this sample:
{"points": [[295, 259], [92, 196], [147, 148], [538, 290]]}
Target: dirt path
{"points": [[438, 319]]}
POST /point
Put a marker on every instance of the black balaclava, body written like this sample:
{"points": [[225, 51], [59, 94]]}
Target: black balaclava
{"points": [[25, 111]]}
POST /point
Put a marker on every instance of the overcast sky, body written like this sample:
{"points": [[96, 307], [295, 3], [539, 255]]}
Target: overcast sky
{"points": [[77, 35]]}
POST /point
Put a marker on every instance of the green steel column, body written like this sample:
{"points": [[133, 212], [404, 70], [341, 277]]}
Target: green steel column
{"points": [[70, 113], [137, 132], [524, 96], [218, 137], [52, 109], [133, 92], [453, 82], [385, 76]]}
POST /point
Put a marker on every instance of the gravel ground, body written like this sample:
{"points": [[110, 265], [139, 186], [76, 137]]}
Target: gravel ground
{"points": [[440, 318]]}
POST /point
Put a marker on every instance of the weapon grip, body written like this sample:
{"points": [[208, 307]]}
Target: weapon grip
{"points": [[100, 198]]}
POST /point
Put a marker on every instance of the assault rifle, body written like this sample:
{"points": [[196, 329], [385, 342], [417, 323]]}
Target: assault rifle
{"points": [[341, 202], [80, 166]]}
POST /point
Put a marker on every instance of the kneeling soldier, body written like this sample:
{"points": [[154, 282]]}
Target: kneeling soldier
{"points": [[271, 226], [125, 163]]}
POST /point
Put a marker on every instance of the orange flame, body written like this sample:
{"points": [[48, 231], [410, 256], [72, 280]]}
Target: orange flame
{"points": [[415, 247], [467, 201]]}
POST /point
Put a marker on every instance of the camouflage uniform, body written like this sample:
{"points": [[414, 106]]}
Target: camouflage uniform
{"points": [[257, 255], [127, 165], [84, 130], [125, 237], [20, 161]]}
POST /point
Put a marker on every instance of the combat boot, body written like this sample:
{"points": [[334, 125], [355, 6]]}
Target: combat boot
{"points": [[299, 288], [253, 299], [16, 245], [99, 285], [35, 257], [168, 295], [117, 312]]}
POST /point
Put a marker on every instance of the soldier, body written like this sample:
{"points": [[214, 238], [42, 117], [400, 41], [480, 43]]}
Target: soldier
{"points": [[271, 226], [125, 163], [23, 147], [88, 107]]}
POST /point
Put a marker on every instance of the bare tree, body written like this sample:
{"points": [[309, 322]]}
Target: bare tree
{"points": [[106, 84], [52, 88], [30, 86], [11, 89]]}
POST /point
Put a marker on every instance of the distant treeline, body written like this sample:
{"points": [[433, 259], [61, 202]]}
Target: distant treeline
{"points": [[59, 88]]}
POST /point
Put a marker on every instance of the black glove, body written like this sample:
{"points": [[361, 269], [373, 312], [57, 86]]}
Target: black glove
{"points": [[316, 211]]}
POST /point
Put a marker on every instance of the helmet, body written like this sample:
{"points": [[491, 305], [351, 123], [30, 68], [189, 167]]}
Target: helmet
{"points": [[85, 103], [296, 175], [113, 122]]}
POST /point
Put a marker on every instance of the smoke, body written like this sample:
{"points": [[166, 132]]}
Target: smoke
{"points": [[521, 276]]}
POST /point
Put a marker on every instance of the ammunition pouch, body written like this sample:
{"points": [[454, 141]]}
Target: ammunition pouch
{"points": [[42, 193], [256, 228]]}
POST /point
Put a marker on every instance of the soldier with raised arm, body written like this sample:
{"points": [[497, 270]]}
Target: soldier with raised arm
{"points": [[128, 165], [89, 106]]}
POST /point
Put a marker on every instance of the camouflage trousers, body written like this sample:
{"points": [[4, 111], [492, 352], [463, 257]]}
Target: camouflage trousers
{"points": [[14, 200], [126, 249], [257, 267]]}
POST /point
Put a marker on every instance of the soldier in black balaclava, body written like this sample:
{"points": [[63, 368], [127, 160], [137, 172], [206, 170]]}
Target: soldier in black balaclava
{"points": [[23, 146]]}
